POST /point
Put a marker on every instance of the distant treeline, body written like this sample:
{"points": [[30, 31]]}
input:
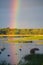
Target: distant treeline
{"points": [[6, 31]]}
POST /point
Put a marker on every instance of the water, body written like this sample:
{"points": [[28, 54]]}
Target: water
{"points": [[15, 51]]}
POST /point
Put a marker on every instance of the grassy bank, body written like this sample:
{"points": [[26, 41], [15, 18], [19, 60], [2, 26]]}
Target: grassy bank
{"points": [[35, 59]]}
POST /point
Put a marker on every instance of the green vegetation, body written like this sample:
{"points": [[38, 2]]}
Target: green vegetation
{"points": [[6, 31], [34, 59]]}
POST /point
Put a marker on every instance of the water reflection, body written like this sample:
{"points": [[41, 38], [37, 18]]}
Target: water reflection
{"points": [[12, 52]]}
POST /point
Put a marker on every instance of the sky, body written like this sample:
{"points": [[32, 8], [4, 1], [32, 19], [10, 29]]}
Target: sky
{"points": [[29, 14]]}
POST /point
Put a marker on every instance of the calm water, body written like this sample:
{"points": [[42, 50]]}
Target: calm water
{"points": [[13, 52]]}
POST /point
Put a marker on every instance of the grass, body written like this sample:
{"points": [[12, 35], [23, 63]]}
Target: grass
{"points": [[34, 59]]}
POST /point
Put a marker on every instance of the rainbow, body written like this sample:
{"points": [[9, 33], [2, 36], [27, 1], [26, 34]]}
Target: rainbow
{"points": [[14, 8]]}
